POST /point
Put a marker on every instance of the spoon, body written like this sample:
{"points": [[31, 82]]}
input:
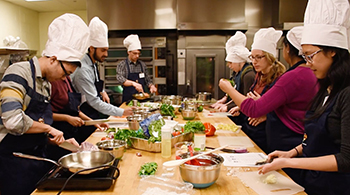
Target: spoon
{"points": [[174, 163]]}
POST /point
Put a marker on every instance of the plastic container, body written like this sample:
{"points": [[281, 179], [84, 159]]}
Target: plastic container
{"points": [[164, 184], [166, 141], [199, 141]]}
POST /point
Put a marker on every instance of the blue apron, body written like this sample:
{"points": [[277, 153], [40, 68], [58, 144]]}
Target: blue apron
{"points": [[130, 90], [85, 107], [318, 142], [19, 175]]}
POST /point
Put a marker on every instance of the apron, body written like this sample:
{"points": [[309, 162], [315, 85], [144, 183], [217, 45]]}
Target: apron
{"points": [[20, 175], [318, 143], [130, 90], [85, 107]]}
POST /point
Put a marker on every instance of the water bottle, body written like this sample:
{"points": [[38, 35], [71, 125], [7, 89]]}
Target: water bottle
{"points": [[166, 141]]}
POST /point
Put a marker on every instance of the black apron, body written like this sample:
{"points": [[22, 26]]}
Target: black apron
{"points": [[130, 90], [85, 107], [19, 175], [319, 143]]}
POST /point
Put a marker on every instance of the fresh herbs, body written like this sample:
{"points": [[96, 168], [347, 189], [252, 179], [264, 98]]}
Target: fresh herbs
{"points": [[154, 130], [148, 168], [167, 110], [194, 127], [125, 134]]}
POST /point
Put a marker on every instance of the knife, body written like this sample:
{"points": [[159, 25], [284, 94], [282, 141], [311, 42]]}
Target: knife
{"points": [[68, 146], [94, 122]]}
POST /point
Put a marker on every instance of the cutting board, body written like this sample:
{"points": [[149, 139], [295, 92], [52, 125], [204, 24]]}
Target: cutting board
{"points": [[283, 186], [241, 141]]}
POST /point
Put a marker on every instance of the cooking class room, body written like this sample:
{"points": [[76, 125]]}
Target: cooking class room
{"points": [[174, 97]]}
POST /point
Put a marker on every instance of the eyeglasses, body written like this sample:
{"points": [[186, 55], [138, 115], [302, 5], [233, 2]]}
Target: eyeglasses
{"points": [[65, 71], [308, 58], [257, 58]]}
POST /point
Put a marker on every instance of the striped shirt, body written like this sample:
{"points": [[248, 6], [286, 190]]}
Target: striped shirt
{"points": [[122, 71], [14, 100]]}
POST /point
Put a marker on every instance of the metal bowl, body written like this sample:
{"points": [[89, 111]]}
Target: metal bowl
{"points": [[115, 147], [201, 176], [134, 121], [188, 114], [203, 96]]}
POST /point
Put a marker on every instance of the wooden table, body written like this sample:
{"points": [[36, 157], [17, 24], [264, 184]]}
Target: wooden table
{"points": [[128, 181]]}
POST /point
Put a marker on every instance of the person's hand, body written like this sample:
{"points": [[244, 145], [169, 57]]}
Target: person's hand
{"points": [[256, 121], [223, 108], [218, 106], [75, 121], [55, 136], [128, 111], [153, 89], [105, 97], [225, 85], [254, 95], [276, 164], [138, 87], [235, 111], [102, 126]]}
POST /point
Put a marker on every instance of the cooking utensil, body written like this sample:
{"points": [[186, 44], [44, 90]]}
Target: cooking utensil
{"points": [[74, 162], [140, 96], [173, 163], [238, 150], [188, 114], [203, 172], [69, 146], [94, 122], [116, 147], [203, 96]]}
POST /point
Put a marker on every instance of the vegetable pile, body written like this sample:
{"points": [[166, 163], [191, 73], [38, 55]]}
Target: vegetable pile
{"points": [[148, 168], [167, 110], [194, 127]]}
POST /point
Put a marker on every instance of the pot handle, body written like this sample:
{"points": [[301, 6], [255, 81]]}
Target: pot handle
{"points": [[18, 154], [118, 172]]}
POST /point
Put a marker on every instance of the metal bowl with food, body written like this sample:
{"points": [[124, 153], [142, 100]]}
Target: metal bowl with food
{"points": [[188, 114], [134, 121], [203, 171], [141, 96], [115, 147]]}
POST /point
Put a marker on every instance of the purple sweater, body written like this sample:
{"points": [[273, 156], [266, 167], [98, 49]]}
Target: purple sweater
{"points": [[289, 98]]}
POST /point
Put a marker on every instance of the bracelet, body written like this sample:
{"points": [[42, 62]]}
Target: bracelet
{"points": [[297, 151]]}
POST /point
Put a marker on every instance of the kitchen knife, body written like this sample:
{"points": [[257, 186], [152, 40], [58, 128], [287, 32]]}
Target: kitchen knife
{"points": [[94, 122], [68, 146]]}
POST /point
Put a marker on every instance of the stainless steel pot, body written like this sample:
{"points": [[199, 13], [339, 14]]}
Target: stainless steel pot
{"points": [[134, 121], [87, 161], [172, 99], [203, 96]]}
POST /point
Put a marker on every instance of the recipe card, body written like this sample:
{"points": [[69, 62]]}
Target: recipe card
{"points": [[242, 159]]}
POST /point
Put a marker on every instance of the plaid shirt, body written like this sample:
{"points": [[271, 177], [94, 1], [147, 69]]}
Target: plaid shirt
{"points": [[122, 71]]}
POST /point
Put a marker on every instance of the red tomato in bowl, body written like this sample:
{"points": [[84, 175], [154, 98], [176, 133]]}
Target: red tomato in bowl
{"points": [[209, 129]]}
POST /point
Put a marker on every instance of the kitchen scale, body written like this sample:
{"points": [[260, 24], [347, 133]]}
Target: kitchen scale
{"points": [[98, 180]]}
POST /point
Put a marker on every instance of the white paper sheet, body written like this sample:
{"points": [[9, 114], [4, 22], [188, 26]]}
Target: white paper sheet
{"points": [[241, 141], [242, 159]]}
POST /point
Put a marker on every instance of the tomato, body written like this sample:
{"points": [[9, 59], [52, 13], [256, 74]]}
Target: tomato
{"points": [[106, 138], [209, 129], [176, 133]]}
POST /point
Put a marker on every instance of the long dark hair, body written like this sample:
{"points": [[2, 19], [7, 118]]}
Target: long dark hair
{"points": [[338, 78], [292, 50]]}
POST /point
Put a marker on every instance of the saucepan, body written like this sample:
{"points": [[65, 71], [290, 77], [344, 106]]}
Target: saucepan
{"points": [[82, 162]]}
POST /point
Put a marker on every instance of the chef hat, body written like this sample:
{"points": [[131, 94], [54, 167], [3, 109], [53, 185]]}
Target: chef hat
{"points": [[132, 42], [266, 39], [98, 33], [294, 37], [235, 48], [68, 38], [326, 23]]}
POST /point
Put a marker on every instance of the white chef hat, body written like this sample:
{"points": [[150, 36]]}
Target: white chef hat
{"points": [[294, 37], [266, 39], [132, 42], [235, 48], [98, 33], [326, 23], [68, 38]]}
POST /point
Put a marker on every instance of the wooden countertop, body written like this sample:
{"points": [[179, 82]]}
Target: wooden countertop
{"points": [[128, 181]]}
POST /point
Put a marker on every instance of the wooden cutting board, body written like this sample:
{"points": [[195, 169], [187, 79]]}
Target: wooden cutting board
{"points": [[283, 186]]}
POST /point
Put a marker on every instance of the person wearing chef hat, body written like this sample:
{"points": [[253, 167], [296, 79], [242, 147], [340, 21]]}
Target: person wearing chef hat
{"points": [[86, 80], [25, 104], [325, 147], [237, 57], [132, 72], [269, 69]]}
